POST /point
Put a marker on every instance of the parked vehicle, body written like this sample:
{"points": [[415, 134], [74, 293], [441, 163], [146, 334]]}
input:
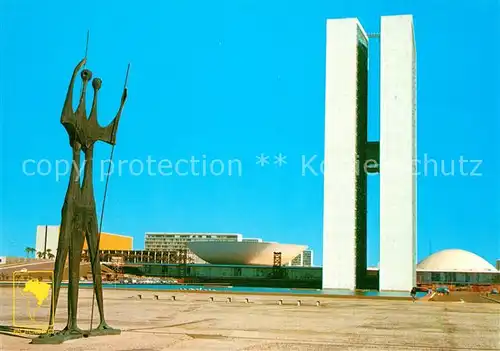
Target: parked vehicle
{"points": [[443, 290]]}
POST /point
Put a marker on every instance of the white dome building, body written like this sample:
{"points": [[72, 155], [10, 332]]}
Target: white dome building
{"points": [[455, 260], [456, 266]]}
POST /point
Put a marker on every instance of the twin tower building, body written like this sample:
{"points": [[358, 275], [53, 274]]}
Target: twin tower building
{"points": [[349, 156]]}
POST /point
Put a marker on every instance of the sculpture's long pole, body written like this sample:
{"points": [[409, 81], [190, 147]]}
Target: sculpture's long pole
{"points": [[103, 204], [86, 53]]}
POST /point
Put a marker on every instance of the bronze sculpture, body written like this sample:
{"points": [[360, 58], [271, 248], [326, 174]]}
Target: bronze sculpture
{"points": [[79, 215]]}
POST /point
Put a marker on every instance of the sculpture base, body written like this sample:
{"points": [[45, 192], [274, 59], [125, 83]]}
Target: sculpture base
{"points": [[59, 338], [107, 331]]}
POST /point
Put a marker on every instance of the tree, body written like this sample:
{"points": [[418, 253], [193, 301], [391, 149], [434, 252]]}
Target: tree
{"points": [[40, 254], [50, 255], [27, 250], [32, 251]]}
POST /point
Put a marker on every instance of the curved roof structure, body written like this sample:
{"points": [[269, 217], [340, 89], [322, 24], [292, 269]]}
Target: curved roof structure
{"points": [[244, 253], [455, 260]]}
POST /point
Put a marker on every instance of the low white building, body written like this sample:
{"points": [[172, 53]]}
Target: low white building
{"points": [[179, 241], [47, 237]]}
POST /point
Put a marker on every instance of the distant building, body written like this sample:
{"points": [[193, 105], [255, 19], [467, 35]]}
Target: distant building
{"points": [[297, 261], [252, 240], [245, 253], [305, 259], [179, 241], [458, 267], [47, 238], [296, 277], [3, 259], [308, 258], [118, 257]]}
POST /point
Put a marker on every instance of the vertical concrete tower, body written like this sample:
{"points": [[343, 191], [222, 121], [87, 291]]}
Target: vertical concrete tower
{"points": [[398, 198], [344, 217], [347, 151]]}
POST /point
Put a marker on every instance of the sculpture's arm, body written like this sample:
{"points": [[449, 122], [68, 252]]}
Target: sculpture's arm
{"points": [[109, 132], [68, 103]]}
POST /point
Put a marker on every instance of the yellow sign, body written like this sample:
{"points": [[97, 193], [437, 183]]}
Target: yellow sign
{"points": [[31, 301]]}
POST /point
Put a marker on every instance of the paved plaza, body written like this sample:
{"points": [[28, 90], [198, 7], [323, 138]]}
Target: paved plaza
{"points": [[193, 322]]}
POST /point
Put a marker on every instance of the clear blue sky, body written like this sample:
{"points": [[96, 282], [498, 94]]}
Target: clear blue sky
{"points": [[231, 80]]}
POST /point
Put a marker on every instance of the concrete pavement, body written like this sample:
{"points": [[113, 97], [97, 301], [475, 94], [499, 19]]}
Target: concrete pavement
{"points": [[192, 322]]}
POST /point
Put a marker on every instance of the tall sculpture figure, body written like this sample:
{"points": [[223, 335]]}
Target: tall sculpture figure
{"points": [[79, 215]]}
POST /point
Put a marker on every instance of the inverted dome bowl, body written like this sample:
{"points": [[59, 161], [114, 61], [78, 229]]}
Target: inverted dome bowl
{"points": [[244, 253]]}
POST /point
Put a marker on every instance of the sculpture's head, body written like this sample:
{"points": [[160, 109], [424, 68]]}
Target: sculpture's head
{"points": [[86, 75], [96, 84]]}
